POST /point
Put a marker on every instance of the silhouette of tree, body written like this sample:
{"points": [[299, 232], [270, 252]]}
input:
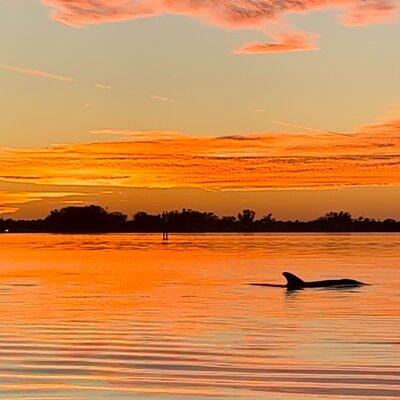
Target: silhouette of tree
{"points": [[84, 219], [335, 221], [267, 219], [143, 222], [227, 224], [191, 221], [337, 217], [97, 219], [267, 222], [246, 218]]}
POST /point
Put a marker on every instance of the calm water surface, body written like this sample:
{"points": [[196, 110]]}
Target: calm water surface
{"points": [[127, 317]]}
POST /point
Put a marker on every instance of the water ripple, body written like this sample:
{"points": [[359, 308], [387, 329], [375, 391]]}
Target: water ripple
{"points": [[136, 319]]}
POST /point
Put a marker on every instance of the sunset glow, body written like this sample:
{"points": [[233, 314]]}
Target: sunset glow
{"points": [[176, 160], [228, 14], [284, 108], [199, 199]]}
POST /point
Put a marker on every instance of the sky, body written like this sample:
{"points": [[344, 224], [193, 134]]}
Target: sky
{"points": [[290, 107]]}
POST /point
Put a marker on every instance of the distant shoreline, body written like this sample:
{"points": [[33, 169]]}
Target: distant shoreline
{"points": [[194, 232], [95, 219]]}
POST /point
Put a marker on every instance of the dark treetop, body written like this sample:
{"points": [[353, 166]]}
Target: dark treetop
{"points": [[92, 219]]}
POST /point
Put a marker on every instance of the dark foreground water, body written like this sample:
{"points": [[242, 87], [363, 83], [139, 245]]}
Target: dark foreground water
{"points": [[127, 317]]}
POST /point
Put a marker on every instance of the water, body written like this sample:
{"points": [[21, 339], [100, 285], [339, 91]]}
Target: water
{"points": [[127, 317]]}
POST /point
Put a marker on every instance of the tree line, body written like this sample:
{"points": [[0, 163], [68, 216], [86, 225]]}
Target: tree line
{"points": [[96, 219]]}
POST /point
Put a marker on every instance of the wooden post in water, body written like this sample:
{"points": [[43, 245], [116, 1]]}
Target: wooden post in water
{"points": [[165, 227]]}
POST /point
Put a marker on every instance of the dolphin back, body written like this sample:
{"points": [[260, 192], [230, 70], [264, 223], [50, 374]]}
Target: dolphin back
{"points": [[293, 281]]}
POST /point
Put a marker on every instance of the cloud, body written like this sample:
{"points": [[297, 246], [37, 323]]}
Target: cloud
{"points": [[144, 135], [162, 98], [388, 124], [34, 73], [113, 132], [368, 155], [10, 201], [301, 127], [286, 43], [101, 86], [371, 12], [228, 14], [7, 209]]}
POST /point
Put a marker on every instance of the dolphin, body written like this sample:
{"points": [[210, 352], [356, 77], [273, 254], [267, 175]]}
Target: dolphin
{"points": [[295, 283]]}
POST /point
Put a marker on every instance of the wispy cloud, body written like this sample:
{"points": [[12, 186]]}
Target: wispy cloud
{"points": [[142, 135], [162, 98], [286, 42], [10, 201], [105, 87], [231, 14], [368, 155], [35, 73], [113, 132], [298, 126]]}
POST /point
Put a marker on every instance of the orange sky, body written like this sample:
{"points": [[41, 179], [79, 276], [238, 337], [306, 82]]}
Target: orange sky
{"points": [[218, 105], [367, 156]]}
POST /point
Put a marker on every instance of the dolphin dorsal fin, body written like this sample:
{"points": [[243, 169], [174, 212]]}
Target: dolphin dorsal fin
{"points": [[293, 280]]}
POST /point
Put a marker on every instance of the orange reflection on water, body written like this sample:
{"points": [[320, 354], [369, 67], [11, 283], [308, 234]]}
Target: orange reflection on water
{"points": [[126, 315]]}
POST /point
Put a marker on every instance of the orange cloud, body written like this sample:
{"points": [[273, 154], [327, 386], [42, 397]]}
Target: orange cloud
{"points": [[371, 12], [231, 14], [286, 42], [9, 200], [387, 125], [370, 155], [34, 73]]}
